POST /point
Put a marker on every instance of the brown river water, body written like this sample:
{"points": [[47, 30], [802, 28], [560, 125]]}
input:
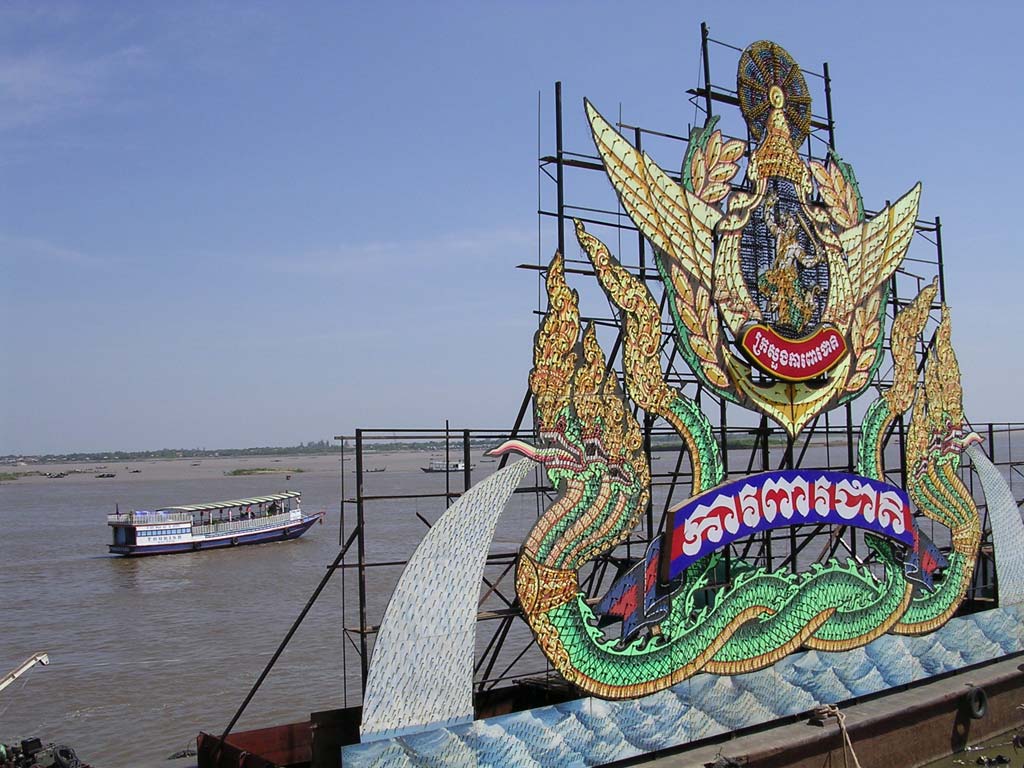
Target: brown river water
{"points": [[145, 652]]}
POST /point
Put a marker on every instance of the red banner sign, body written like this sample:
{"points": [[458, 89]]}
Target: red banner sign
{"points": [[793, 359]]}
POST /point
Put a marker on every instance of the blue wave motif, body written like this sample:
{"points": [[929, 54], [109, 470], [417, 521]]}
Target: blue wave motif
{"points": [[591, 731]]}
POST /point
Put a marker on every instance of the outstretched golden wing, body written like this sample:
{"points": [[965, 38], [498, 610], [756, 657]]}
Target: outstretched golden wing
{"points": [[676, 221], [680, 226], [875, 248]]}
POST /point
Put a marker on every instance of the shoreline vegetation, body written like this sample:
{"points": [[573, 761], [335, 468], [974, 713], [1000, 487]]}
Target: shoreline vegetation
{"points": [[314, 448], [226, 461], [318, 448]]}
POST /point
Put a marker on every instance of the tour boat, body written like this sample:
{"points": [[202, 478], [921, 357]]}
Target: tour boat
{"points": [[256, 520], [440, 465]]}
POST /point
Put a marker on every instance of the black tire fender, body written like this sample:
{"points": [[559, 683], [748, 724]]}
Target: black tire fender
{"points": [[976, 701], [65, 757]]}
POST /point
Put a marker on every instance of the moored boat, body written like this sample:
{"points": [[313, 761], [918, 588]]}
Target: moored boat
{"points": [[440, 465], [192, 527]]}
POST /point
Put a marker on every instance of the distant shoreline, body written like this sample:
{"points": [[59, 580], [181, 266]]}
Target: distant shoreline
{"points": [[127, 478], [92, 458], [321, 448]]}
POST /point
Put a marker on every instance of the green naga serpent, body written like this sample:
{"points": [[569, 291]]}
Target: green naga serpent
{"points": [[592, 444]]}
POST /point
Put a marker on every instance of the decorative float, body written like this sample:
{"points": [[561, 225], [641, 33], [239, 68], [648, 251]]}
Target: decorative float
{"points": [[777, 283], [777, 289]]}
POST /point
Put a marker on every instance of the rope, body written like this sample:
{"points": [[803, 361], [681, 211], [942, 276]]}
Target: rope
{"points": [[24, 682], [831, 710]]}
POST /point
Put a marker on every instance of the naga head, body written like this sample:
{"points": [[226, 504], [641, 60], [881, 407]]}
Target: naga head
{"points": [[583, 424], [590, 433], [939, 433], [591, 445]]}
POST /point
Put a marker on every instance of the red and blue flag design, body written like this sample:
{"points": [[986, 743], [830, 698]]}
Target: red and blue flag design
{"points": [[636, 596]]}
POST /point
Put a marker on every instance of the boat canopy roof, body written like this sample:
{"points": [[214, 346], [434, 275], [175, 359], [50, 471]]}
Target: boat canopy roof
{"points": [[208, 506]]}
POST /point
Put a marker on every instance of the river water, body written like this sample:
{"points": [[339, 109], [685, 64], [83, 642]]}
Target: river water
{"points": [[146, 652]]}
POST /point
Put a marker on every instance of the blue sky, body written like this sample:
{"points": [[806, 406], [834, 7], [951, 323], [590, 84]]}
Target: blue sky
{"points": [[240, 224]]}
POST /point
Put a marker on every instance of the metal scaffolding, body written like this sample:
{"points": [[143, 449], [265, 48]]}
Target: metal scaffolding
{"points": [[507, 656]]}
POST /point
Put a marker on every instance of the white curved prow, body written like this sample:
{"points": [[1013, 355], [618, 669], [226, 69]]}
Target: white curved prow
{"points": [[421, 673], [1007, 527]]}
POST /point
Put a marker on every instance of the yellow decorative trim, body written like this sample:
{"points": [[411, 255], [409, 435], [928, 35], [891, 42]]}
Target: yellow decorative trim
{"points": [[713, 169], [777, 156], [905, 329], [571, 495], [554, 355], [838, 194], [540, 589], [790, 404]]}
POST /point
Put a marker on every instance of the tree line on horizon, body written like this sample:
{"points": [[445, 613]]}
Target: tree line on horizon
{"points": [[314, 447]]}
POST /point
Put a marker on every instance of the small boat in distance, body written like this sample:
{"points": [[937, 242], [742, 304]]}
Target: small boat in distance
{"points": [[440, 465], [192, 527]]}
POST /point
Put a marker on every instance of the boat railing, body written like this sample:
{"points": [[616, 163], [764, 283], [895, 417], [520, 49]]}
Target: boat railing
{"points": [[244, 524], [140, 518]]}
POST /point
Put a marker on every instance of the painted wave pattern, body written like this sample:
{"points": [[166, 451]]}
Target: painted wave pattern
{"points": [[592, 731]]}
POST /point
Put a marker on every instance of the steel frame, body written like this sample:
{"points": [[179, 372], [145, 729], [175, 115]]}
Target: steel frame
{"points": [[506, 652]]}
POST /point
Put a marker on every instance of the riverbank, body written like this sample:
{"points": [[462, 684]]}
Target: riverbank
{"points": [[233, 466]]}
